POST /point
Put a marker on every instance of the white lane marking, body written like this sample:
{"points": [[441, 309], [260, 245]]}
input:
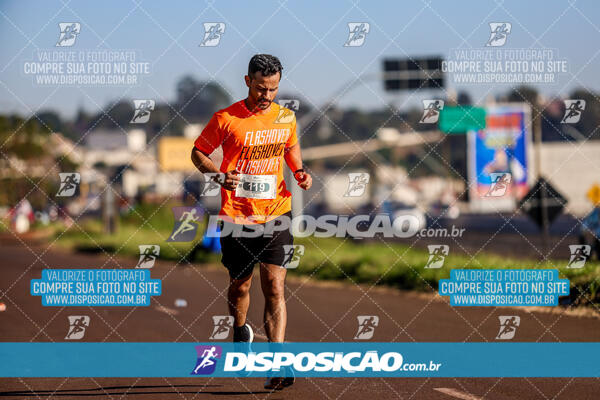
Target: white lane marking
{"points": [[166, 310], [457, 394]]}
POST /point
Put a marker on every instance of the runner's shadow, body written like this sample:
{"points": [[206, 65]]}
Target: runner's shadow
{"points": [[126, 390]]}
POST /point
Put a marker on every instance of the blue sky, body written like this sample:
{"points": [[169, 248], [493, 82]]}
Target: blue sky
{"points": [[307, 36]]}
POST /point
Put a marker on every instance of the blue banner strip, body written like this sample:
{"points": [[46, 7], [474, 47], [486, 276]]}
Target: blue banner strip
{"points": [[332, 359]]}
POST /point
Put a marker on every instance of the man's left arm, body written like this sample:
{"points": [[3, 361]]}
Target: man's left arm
{"points": [[293, 159]]}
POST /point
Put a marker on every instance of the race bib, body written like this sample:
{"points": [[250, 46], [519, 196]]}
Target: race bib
{"points": [[256, 186]]}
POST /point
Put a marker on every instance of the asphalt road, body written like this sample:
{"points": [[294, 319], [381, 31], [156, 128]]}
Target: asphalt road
{"points": [[317, 312]]}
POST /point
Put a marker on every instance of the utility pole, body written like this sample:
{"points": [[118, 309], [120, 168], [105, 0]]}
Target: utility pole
{"points": [[537, 129]]}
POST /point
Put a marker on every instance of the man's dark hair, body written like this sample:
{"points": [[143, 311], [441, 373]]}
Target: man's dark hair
{"points": [[265, 63]]}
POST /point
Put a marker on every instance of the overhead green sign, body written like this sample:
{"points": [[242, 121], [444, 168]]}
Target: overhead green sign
{"points": [[461, 119]]}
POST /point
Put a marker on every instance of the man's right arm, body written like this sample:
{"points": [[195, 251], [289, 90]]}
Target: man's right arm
{"points": [[202, 161], [211, 138]]}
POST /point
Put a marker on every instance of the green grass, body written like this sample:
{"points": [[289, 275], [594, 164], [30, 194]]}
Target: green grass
{"points": [[144, 226], [394, 265], [403, 267]]}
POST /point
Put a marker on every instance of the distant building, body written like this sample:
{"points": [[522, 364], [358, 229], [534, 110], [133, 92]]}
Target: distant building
{"points": [[160, 168], [102, 139]]}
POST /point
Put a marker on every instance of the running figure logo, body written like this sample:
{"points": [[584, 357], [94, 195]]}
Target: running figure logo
{"points": [[211, 186], [431, 111], [143, 109], [358, 33], [437, 255], [212, 34], [207, 359], [223, 324], [293, 105], [366, 326], [68, 33], [148, 254], [69, 182], [293, 252], [77, 326], [288, 111], [186, 224], [357, 184], [500, 183], [499, 33], [579, 255], [508, 326], [573, 110]]}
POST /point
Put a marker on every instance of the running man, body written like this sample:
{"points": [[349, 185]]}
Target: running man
{"points": [[499, 186], [69, 183], [499, 33], [358, 33], [78, 326], [69, 33], [187, 219], [221, 327], [144, 109], [432, 110], [509, 325], [149, 255], [573, 110], [578, 256], [255, 145], [207, 361], [367, 326], [436, 256], [359, 182]]}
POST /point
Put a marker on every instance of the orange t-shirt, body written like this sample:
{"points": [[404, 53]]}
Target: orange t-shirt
{"points": [[254, 144]]}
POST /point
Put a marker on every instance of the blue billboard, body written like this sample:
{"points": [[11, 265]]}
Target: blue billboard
{"points": [[499, 165]]}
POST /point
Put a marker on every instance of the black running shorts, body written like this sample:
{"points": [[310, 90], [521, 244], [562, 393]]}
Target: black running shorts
{"points": [[240, 254]]}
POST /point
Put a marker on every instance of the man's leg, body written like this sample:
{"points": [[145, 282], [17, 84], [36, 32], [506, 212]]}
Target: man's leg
{"points": [[239, 299], [272, 280]]}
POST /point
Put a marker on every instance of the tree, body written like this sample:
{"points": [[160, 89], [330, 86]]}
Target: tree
{"points": [[525, 94], [115, 116], [197, 101], [50, 121]]}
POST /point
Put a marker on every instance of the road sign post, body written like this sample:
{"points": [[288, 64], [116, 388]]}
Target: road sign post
{"points": [[543, 204]]}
